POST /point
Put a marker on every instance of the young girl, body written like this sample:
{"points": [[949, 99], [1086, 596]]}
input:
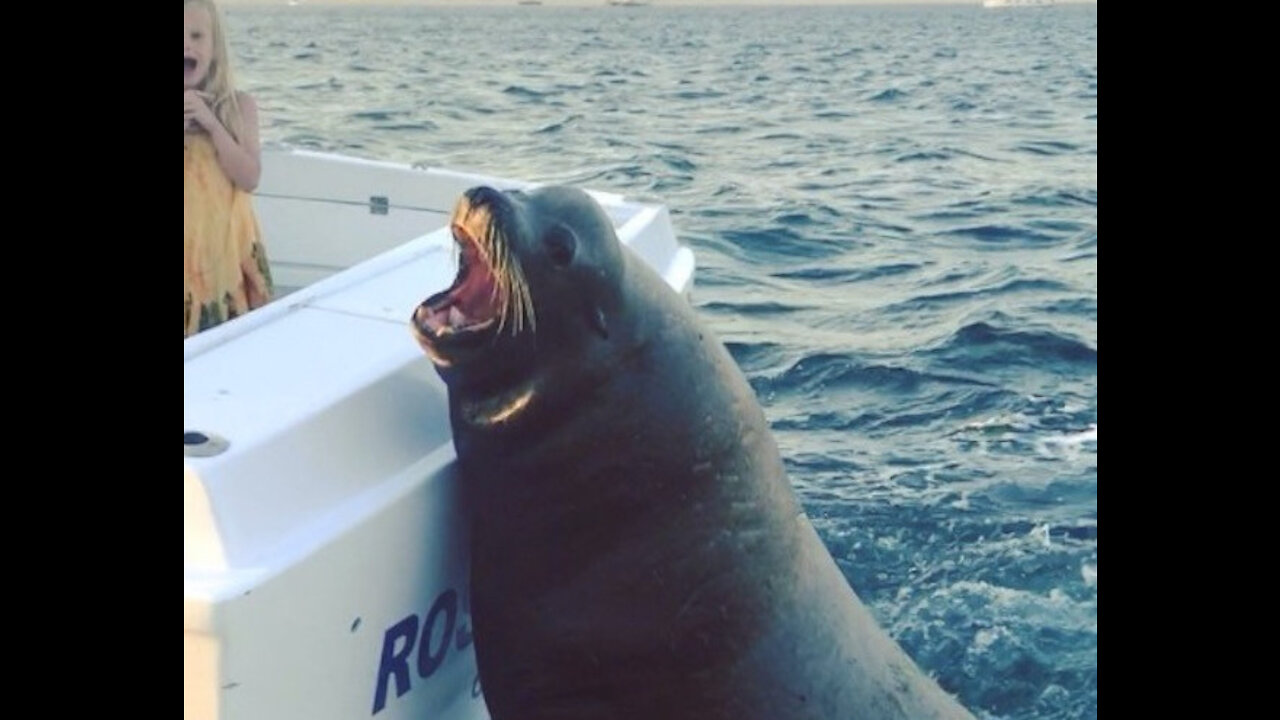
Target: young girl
{"points": [[224, 264]]}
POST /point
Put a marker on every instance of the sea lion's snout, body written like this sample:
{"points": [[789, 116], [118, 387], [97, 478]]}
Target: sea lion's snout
{"points": [[483, 195]]}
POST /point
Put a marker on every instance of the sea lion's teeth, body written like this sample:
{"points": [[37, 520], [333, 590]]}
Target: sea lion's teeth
{"points": [[456, 318]]}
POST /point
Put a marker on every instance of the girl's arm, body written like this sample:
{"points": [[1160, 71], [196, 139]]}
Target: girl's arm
{"points": [[239, 160]]}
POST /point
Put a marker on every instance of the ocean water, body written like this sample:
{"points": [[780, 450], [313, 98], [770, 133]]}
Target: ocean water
{"points": [[894, 211]]}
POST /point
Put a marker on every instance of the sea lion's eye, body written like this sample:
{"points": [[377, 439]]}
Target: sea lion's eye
{"points": [[561, 244]]}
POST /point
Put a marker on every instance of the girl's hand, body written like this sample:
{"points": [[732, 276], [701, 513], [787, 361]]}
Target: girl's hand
{"points": [[196, 112]]}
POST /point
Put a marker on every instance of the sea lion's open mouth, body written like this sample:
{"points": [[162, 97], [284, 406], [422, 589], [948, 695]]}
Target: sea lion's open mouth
{"points": [[472, 302], [188, 65], [490, 290]]}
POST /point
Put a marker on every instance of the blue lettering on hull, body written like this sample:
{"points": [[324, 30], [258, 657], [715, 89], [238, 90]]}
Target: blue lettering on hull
{"points": [[431, 637]]}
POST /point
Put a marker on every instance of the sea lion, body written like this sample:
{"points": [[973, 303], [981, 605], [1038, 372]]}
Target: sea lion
{"points": [[637, 550]]}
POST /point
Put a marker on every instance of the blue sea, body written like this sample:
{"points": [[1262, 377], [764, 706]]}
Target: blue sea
{"points": [[895, 215]]}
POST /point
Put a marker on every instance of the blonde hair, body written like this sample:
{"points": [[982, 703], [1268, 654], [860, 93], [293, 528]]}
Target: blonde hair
{"points": [[218, 82]]}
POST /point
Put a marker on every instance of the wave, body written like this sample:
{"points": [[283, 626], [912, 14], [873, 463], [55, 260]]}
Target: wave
{"points": [[982, 346]]}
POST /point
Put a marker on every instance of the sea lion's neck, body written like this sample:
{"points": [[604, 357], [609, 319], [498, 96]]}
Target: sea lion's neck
{"points": [[527, 389], [496, 410]]}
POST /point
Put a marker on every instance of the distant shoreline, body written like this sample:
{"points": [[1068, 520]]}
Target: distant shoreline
{"points": [[605, 4]]}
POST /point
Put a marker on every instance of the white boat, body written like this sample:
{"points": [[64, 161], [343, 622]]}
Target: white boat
{"points": [[1016, 3], [324, 553]]}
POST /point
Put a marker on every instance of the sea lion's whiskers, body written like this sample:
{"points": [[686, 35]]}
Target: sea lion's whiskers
{"points": [[511, 289]]}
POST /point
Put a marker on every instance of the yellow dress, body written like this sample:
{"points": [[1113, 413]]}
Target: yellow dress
{"points": [[224, 263]]}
